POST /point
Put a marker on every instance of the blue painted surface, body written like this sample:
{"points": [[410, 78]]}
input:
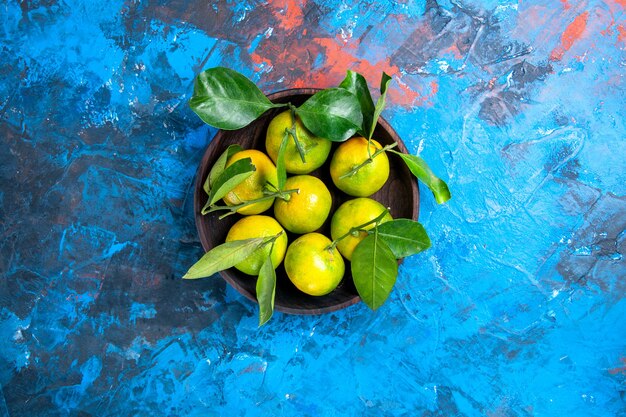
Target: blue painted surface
{"points": [[517, 310]]}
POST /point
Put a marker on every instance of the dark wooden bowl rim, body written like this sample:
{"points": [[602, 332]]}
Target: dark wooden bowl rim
{"points": [[230, 275]]}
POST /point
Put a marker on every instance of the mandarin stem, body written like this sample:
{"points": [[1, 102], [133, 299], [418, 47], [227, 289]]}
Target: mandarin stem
{"points": [[280, 194], [293, 133], [368, 160], [359, 228]]}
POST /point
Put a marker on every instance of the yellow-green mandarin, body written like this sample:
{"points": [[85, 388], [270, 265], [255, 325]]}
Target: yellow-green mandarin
{"points": [[369, 178], [259, 226], [252, 187], [316, 149], [351, 214], [305, 210], [312, 267]]}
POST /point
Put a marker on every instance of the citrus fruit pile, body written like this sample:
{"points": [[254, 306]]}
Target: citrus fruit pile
{"points": [[314, 262], [285, 209]]}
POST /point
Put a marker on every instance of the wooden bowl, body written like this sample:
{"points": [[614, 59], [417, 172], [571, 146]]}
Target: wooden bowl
{"points": [[400, 194]]}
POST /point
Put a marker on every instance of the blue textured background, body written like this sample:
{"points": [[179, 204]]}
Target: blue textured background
{"points": [[517, 310]]}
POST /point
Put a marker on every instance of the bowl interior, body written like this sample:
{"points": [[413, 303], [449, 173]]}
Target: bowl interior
{"points": [[400, 194]]}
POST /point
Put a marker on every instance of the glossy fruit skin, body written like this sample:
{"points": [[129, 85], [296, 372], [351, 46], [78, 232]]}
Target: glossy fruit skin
{"points": [[369, 178], [311, 267], [307, 209], [351, 214], [252, 187], [316, 149], [249, 227]]}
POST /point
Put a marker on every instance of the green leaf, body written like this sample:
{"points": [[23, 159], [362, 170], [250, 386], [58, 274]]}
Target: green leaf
{"points": [[380, 103], [404, 237], [384, 83], [281, 169], [293, 132], [219, 165], [206, 208], [225, 256], [227, 99], [357, 85], [266, 290], [374, 270], [232, 176], [422, 171], [334, 114]]}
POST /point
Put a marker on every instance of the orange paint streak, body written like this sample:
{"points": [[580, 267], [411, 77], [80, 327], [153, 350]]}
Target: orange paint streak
{"points": [[288, 13], [572, 33], [565, 4]]}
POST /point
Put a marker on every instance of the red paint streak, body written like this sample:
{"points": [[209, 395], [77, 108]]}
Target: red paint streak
{"points": [[572, 33], [296, 58], [434, 88], [611, 28], [622, 33], [619, 369], [259, 62], [565, 4], [454, 50], [256, 58], [339, 59], [413, 96], [288, 13], [407, 97], [614, 8]]}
